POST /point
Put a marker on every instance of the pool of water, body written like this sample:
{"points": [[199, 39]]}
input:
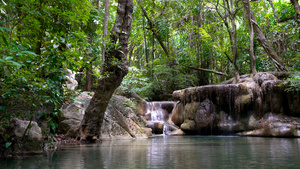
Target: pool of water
{"points": [[171, 152]]}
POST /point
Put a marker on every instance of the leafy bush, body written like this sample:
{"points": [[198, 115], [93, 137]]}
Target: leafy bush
{"points": [[293, 83], [137, 82]]}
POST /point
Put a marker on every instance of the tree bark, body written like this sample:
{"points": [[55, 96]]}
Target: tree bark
{"points": [[251, 49], [146, 46], [89, 69], [105, 29], [295, 3], [114, 69]]}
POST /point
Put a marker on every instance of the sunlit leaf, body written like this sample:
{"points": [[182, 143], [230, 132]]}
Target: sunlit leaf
{"points": [[7, 144]]}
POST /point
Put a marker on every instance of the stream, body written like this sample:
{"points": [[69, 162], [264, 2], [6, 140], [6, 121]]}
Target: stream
{"points": [[171, 152]]}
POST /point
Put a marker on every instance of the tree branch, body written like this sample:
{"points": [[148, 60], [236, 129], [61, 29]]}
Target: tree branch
{"points": [[208, 70]]}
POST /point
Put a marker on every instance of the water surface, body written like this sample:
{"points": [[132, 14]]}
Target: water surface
{"points": [[171, 152]]}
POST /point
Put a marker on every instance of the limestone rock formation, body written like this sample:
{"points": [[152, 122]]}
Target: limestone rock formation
{"points": [[230, 108]]}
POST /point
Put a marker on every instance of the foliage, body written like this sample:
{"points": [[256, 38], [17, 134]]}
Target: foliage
{"points": [[39, 39], [293, 83], [136, 82]]}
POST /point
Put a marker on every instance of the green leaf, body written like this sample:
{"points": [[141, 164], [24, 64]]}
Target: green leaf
{"points": [[8, 58], [16, 64], [6, 71], [31, 53], [5, 41], [8, 144], [52, 124], [5, 28]]}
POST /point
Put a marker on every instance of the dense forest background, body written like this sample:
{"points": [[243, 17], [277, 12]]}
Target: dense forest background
{"points": [[172, 45]]}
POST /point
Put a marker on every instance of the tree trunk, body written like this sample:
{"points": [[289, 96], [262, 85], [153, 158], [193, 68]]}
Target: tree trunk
{"points": [[251, 50], [154, 31], [266, 45], [105, 28], [296, 7], [89, 78], [89, 69], [114, 69], [146, 46], [263, 41]]}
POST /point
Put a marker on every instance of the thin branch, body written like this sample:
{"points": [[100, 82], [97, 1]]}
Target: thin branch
{"points": [[231, 61], [163, 10], [208, 70], [273, 8], [289, 18]]}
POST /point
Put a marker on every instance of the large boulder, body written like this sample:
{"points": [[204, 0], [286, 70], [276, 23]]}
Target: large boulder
{"points": [[121, 120], [73, 113], [26, 137]]}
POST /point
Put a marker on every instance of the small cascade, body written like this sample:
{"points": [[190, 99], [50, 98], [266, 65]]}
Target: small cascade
{"points": [[158, 114], [155, 111], [50, 149]]}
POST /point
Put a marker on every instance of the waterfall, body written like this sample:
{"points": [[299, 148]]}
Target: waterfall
{"points": [[158, 114], [155, 111]]}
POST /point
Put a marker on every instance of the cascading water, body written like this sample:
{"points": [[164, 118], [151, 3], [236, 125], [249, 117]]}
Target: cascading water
{"points": [[158, 114], [155, 111]]}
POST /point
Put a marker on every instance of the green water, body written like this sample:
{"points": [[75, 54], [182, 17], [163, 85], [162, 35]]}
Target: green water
{"points": [[172, 152]]}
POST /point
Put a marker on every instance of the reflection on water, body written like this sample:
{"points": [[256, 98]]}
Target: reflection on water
{"points": [[172, 152]]}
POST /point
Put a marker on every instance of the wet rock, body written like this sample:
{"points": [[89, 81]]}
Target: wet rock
{"points": [[156, 126], [293, 103], [177, 114], [188, 126], [227, 124], [178, 132], [206, 117]]}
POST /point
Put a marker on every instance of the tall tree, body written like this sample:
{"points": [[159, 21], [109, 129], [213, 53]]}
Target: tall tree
{"points": [[251, 49], [114, 69], [263, 41], [230, 9], [105, 29]]}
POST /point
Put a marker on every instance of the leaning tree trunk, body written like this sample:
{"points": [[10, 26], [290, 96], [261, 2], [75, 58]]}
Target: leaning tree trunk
{"points": [[115, 68], [263, 40]]}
